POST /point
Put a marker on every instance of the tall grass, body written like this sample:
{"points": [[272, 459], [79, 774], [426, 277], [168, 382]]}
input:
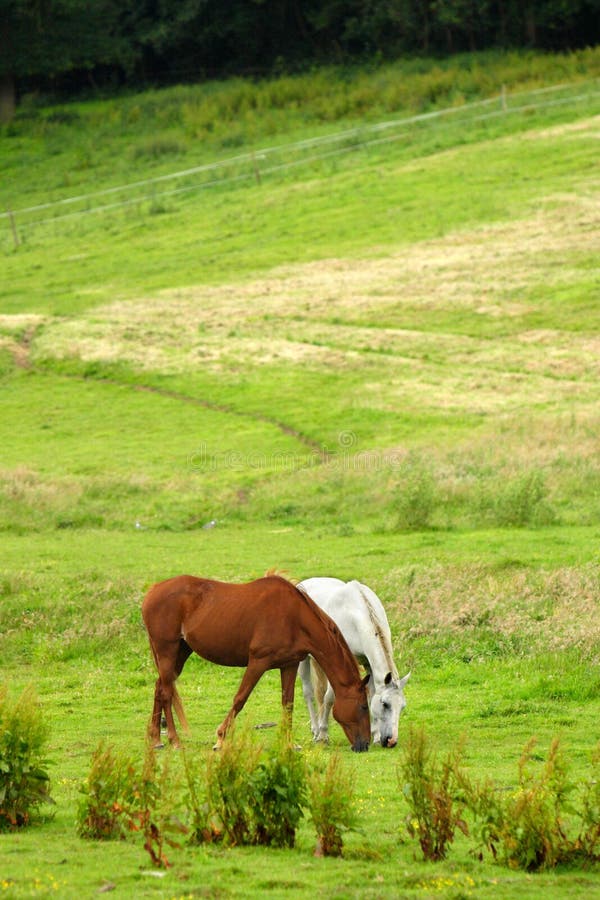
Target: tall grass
{"points": [[24, 775], [525, 829]]}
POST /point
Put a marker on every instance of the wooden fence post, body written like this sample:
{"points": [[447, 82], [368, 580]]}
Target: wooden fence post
{"points": [[13, 227], [256, 169]]}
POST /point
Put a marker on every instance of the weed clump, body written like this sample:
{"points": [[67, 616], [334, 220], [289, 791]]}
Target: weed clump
{"points": [[416, 497], [332, 810], [279, 790], [24, 780], [429, 787], [529, 828], [257, 795], [526, 828], [108, 789], [523, 501], [120, 796], [244, 795]]}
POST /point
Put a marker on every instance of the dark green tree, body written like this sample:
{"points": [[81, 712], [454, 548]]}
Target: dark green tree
{"points": [[47, 41], [51, 37]]}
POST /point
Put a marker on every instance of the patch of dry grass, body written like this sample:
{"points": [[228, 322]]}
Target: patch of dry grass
{"points": [[417, 321], [25, 486], [546, 610]]}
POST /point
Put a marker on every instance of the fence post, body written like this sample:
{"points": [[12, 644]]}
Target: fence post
{"points": [[256, 169], [13, 227]]}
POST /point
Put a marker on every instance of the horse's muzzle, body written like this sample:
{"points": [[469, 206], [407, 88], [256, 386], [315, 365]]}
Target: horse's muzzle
{"points": [[360, 745], [388, 742]]}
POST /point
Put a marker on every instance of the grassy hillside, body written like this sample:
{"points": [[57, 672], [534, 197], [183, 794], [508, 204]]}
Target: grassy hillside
{"points": [[360, 351]]}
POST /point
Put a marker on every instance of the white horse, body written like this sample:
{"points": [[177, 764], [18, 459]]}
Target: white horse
{"points": [[360, 616]]}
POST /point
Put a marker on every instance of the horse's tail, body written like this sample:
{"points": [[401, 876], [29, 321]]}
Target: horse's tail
{"points": [[176, 699], [178, 706], [320, 682]]}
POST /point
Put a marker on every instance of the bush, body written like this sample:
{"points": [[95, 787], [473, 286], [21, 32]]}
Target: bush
{"points": [[523, 501], [279, 790], [526, 828], [229, 786], [204, 826], [430, 790], [24, 781], [108, 793], [416, 496], [120, 797], [331, 802], [588, 841], [256, 796]]}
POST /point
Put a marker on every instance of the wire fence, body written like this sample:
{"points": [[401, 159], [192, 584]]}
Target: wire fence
{"points": [[270, 161]]}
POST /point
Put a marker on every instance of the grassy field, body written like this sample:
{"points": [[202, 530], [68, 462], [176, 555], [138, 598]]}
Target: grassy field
{"points": [[379, 360]]}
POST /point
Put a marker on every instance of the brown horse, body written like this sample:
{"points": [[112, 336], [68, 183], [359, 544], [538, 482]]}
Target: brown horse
{"points": [[265, 624]]}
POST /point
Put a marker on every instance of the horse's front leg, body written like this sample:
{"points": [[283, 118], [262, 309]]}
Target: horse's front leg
{"points": [[256, 668], [373, 707], [288, 685]]}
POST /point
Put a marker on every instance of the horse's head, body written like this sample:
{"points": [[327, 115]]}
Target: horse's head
{"points": [[386, 706], [351, 710]]}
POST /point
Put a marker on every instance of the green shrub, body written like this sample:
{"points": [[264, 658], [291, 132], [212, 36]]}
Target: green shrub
{"points": [[523, 501], [108, 793], [526, 828], [153, 810], [588, 841], [24, 781], [279, 789], [429, 788], [204, 826], [256, 795], [415, 496], [331, 803], [121, 797], [229, 776]]}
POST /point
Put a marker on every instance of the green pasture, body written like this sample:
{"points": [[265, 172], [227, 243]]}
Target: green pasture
{"points": [[380, 364]]}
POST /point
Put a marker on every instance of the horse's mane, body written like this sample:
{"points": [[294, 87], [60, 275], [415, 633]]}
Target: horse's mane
{"points": [[332, 631], [379, 629], [334, 636], [280, 573]]}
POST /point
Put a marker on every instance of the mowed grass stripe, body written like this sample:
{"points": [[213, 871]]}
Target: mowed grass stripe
{"points": [[365, 209]]}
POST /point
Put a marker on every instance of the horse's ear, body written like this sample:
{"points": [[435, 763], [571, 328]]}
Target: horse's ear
{"points": [[403, 681], [388, 678], [365, 680]]}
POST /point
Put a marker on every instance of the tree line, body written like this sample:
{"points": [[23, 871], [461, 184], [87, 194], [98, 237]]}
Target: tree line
{"points": [[67, 44]]}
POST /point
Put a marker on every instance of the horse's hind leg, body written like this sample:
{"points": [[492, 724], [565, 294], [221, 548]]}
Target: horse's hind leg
{"points": [[170, 659], [154, 728], [325, 699], [304, 671], [182, 655]]}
